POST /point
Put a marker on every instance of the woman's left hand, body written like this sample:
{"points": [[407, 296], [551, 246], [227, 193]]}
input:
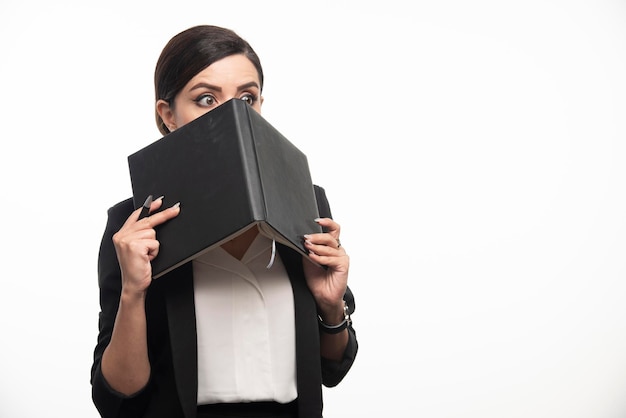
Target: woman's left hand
{"points": [[327, 285]]}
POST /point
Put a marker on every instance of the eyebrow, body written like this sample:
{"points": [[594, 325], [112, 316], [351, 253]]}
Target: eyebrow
{"points": [[217, 88]]}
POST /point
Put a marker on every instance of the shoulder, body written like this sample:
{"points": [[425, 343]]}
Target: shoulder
{"points": [[117, 215], [322, 202], [107, 258], [121, 210], [125, 206], [320, 193]]}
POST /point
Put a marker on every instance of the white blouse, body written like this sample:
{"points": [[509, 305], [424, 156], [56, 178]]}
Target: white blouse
{"points": [[246, 327]]}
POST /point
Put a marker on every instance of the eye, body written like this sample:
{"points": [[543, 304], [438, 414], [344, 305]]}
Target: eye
{"points": [[206, 100], [251, 99]]}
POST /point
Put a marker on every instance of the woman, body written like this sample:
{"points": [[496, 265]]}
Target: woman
{"points": [[201, 341]]}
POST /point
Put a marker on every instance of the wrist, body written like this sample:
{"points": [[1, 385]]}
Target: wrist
{"points": [[331, 313], [132, 296], [336, 323]]}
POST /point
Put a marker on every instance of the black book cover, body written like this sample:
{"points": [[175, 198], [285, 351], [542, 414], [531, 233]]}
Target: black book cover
{"points": [[230, 169]]}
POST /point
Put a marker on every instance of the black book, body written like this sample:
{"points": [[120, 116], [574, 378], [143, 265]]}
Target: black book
{"points": [[230, 170]]}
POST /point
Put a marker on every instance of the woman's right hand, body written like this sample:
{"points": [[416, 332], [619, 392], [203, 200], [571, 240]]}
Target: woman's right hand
{"points": [[136, 245]]}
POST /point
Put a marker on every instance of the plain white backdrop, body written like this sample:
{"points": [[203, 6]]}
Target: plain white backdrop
{"points": [[473, 152]]}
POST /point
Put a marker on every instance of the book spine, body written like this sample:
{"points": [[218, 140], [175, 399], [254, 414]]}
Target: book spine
{"points": [[250, 162]]}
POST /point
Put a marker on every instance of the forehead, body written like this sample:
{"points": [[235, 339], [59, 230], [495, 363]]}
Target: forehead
{"points": [[232, 70]]}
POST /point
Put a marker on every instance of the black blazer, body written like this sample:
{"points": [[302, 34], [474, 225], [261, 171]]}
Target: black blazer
{"points": [[172, 348]]}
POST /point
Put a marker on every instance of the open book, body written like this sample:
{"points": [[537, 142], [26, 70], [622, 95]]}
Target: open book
{"points": [[230, 170]]}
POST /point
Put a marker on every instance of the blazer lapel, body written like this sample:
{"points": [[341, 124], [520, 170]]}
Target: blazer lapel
{"points": [[182, 327], [308, 362]]}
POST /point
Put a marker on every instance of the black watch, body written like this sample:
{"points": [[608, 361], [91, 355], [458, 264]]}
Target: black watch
{"points": [[336, 329]]}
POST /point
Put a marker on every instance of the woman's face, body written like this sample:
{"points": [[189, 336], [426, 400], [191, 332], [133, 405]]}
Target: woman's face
{"points": [[231, 77]]}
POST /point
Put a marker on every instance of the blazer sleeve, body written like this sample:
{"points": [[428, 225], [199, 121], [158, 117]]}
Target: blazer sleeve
{"points": [[333, 372], [109, 402]]}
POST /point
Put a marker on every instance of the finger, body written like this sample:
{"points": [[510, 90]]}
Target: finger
{"points": [[160, 217], [140, 213], [324, 245], [323, 239], [156, 204], [329, 226], [150, 206], [334, 262], [153, 249]]}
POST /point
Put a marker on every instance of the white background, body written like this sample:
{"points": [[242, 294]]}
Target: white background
{"points": [[473, 151]]}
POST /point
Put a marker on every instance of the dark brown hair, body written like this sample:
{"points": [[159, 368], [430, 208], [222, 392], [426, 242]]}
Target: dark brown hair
{"points": [[190, 52]]}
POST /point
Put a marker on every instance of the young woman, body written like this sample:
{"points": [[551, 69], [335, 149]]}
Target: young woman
{"points": [[201, 340]]}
